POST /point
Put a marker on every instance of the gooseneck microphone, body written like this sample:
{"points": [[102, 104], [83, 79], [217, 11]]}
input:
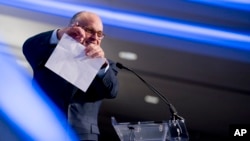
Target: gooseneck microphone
{"points": [[174, 115]]}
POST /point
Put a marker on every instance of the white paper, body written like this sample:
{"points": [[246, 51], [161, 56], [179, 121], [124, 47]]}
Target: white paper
{"points": [[70, 62]]}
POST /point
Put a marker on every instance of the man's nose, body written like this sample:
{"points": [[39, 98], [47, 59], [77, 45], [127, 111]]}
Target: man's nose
{"points": [[95, 36]]}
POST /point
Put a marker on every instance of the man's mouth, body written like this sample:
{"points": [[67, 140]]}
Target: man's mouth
{"points": [[89, 42]]}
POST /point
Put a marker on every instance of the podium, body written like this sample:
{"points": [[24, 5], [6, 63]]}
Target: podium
{"points": [[173, 130]]}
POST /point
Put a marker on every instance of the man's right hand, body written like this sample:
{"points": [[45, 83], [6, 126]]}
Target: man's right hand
{"points": [[74, 31]]}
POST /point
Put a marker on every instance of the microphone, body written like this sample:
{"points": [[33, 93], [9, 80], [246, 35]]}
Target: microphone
{"points": [[172, 109], [177, 127]]}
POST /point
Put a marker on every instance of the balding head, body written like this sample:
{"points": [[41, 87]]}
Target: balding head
{"points": [[92, 25], [85, 18]]}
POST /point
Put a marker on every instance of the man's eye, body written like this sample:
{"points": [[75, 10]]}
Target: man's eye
{"points": [[88, 30], [99, 34]]}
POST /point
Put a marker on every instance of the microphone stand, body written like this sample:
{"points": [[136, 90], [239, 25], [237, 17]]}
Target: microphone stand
{"points": [[177, 126]]}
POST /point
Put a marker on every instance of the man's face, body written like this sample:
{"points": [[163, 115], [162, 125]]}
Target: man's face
{"points": [[93, 28]]}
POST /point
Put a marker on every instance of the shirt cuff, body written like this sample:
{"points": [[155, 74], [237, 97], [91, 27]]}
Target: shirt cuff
{"points": [[103, 71], [53, 38]]}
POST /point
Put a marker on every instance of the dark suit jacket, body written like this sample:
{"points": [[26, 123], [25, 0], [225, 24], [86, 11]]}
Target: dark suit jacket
{"points": [[80, 108]]}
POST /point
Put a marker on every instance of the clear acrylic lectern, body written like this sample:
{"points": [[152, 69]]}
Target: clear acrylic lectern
{"points": [[151, 131]]}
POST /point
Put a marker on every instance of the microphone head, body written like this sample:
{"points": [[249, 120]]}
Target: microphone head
{"points": [[119, 65]]}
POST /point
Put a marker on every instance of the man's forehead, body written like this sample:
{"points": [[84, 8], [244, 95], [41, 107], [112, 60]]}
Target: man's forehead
{"points": [[90, 19]]}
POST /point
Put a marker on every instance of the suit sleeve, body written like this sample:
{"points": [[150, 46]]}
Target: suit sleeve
{"points": [[37, 49], [106, 86], [110, 80]]}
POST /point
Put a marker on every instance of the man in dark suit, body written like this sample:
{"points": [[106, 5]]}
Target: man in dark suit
{"points": [[80, 108]]}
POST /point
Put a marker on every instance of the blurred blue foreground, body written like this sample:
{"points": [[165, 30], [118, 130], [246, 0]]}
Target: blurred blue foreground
{"points": [[26, 114]]}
